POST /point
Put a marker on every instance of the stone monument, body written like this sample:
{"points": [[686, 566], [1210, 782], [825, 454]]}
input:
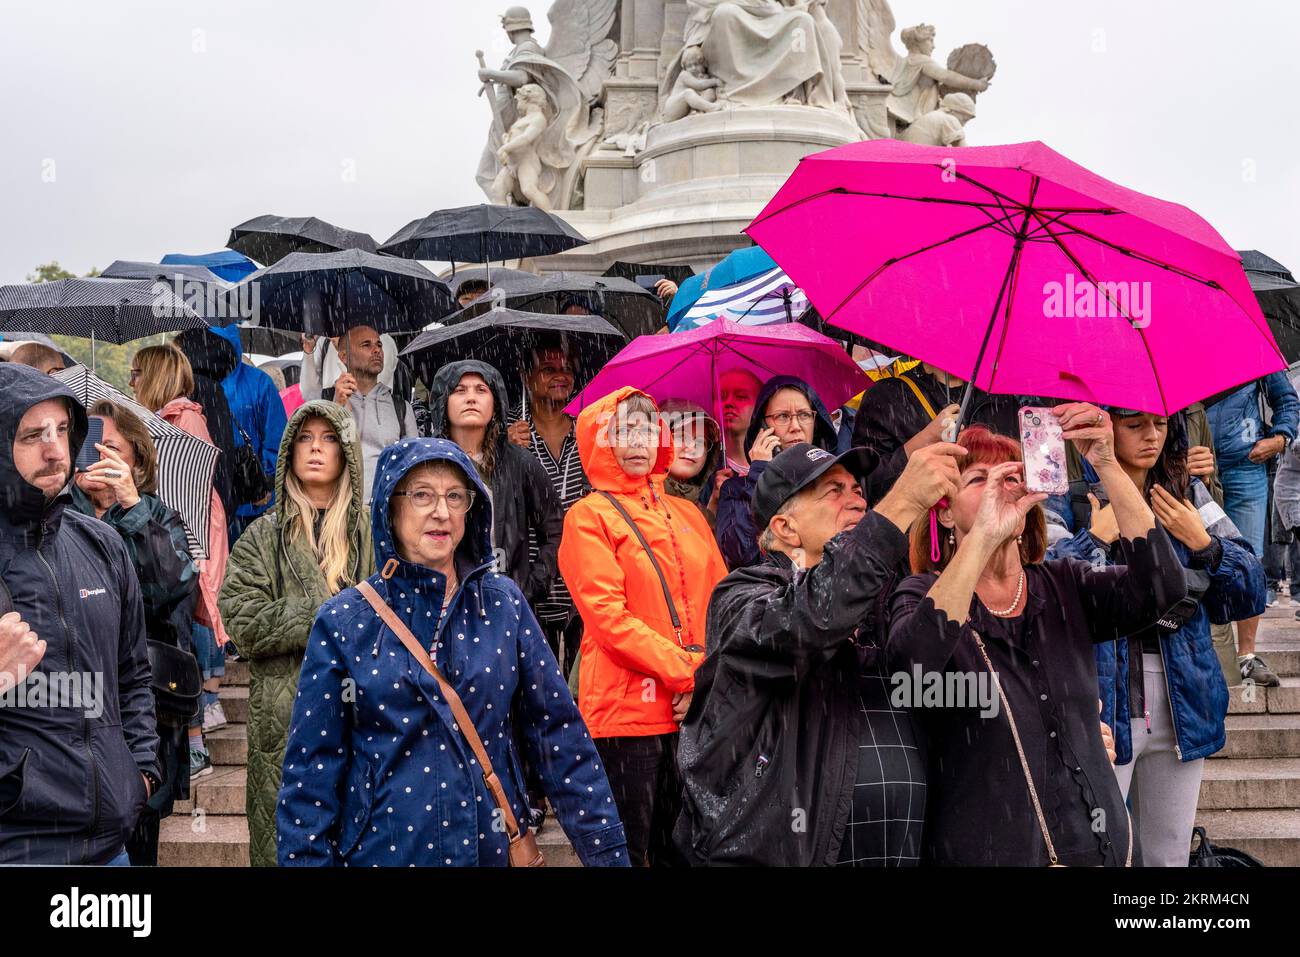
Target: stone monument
{"points": [[660, 128]]}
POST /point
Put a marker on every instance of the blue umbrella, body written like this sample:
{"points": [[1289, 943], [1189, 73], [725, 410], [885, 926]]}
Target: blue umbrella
{"points": [[738, 266], [227, 264]]}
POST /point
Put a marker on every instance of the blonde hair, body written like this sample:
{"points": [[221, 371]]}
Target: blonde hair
{"points": [[332, 550], [165, 374]]}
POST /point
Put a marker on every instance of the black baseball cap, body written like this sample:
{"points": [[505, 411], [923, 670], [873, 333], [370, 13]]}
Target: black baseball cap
{"points": [[798, 467]]}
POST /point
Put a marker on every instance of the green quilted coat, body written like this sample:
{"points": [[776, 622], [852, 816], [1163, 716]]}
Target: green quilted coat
{"points": [[272, 590]]}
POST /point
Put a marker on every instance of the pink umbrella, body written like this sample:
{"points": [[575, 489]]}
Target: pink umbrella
{"points": [[688, 365], [1021, 271]]}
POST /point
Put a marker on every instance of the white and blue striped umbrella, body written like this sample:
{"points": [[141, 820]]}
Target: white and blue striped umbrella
{"points": [[757, 301], [185, 462]]}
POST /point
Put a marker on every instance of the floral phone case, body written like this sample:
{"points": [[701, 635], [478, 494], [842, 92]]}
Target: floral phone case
{"points": [[1043, 446]]}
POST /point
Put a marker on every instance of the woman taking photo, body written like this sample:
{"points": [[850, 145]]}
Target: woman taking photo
{"points": [[120, 489], [378, 770], [288, 562], [639, 652], [1163, 689], [162, 380], [1025, 759]]}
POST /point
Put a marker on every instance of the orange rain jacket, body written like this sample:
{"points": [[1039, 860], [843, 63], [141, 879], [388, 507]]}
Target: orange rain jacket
{"points": [[632, 661]]}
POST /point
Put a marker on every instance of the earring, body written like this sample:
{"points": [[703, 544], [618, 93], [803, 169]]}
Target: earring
{"points": [[1019, 541], [952, 539]]}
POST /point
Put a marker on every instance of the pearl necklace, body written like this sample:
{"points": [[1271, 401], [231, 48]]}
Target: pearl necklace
{"points": [[1020, 590]]}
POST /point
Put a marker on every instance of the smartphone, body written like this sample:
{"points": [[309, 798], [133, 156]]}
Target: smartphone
{"points": [[1043, 446], [649, 281], [89, 455]]}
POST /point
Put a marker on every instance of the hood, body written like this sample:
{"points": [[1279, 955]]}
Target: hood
{"points": [[712, 457], [603, 471], [22, 387], [345, 426], [446, 379], [210, 353], [824, 434], [398, 459]]}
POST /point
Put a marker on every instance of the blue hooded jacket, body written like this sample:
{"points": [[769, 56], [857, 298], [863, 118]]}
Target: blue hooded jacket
{"points": [[256, 406], [375, 772], [737, 534], [1198, 693], [1237, 424]]}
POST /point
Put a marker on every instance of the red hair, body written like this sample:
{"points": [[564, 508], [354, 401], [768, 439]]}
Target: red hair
{"points": [[982, 448]]}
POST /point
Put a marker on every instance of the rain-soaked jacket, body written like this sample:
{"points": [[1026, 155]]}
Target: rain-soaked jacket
{"points": [[522, 495], [774, 728], [273, 589], [1198, 694], [737, 532], [70, 779], [632, 660], [375, 771], [212, 359]]}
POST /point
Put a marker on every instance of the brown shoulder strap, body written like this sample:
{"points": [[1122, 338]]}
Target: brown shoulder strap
{"points": [[463, 722]]}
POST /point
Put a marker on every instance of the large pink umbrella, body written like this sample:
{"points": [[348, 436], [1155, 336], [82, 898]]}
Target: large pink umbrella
{"points": [[1021, 271], [688, 365]]}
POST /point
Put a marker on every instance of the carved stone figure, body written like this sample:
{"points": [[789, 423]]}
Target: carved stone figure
{"points": [[570, 73], [765, 52], [695, 91], [917, 78], [945, 126], [521, 167]]}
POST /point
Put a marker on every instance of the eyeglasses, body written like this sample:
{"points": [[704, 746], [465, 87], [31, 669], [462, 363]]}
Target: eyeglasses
{"points": [[783, 418], [459, 500]]}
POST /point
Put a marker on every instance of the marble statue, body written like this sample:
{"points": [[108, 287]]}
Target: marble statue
{"points": [[918, 78], [569, 73], [764, 52], [945, 126], [517, 182], [695, 91]]}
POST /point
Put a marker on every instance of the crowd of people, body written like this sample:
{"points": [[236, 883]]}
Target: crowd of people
{"points": [[784, 635]]}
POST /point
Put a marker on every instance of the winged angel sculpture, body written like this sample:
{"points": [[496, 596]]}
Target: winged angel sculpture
{"points": [[538, 138]]}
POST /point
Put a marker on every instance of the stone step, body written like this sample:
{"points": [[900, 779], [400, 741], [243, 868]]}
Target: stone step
{"points": [[203, 840], [237, 672], [1285, 699], [1247, 783], [223, 792], [1271, 836], [1262, 736], [228, 745], [555, 847], [234, 702]]}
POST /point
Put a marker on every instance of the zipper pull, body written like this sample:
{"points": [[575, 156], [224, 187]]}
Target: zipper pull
{"points": [[1147, 715], [761, 765]]}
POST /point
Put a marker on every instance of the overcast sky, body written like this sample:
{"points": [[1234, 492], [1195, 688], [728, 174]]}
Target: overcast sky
{"points": [[133, 129]]}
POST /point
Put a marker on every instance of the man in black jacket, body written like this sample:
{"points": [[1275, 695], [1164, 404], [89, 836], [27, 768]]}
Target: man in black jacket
{"points": [[790, 747], [78, 743]]}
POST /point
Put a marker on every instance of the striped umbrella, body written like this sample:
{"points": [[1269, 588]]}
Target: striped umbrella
{"points": [[757, 301], [185, 462], [101, 310]]}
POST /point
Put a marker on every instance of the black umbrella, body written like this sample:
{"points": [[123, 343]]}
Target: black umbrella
{"points": [[630, 271], [504, 338], [198, 286], [328, 293], [268, 239], [101, 310], [635, 311], [483, 234], [268, 342], [484, 274], [1278, 295]]}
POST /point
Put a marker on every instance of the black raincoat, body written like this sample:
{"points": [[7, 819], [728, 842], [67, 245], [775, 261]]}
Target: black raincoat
{"points": [[70, 776], [522, 495], [772, 736], [213, 358]]}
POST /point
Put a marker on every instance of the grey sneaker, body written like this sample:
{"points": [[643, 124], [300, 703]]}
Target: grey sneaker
{"points": [[200, 763], [214, 716], [1254, 669]]}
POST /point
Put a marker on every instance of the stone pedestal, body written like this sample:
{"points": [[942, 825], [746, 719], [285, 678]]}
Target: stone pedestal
{"points": [[699, 181]]}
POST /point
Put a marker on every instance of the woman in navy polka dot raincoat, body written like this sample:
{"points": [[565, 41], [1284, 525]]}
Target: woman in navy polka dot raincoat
{"points": [[374, 772]]}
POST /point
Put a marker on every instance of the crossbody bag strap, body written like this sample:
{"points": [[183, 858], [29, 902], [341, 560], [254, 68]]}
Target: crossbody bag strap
{"points": [[920, 396], [398, 627], [1024, 763], [663, 582]]}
